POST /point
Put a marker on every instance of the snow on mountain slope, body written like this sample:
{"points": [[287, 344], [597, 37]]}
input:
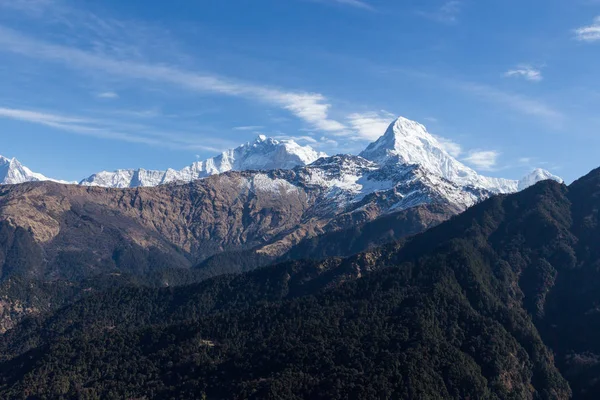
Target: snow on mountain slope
{"points": [[406, 167], [262, 154], [350, 182], [404, 143], [408, 142], [536, 176], [13, 172]]}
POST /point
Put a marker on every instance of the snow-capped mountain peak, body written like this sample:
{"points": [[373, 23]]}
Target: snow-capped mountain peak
{"points": [[13, 172], [407, 164], [408, 142], [262, 154], [536, 176]]}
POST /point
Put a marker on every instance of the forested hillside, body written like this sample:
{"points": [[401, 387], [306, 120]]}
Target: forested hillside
{"points": [[481, 306]]}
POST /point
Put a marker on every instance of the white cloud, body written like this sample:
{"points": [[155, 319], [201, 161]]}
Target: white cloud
{"points": [[352, 3], [329, 141], [448, 13], [590, 33], [108, 95], [522, 104], [453, 148], [27, 6], [370, 125], [140, 114], [112, 130], [525, 71], [248, 128], [306, 139], [485, 160], [311, 107], [39, 117]]}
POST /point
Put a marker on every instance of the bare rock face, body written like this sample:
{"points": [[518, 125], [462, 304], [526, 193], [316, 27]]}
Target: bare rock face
{"points": [[139, 221], [98, 229], [70, 231]]}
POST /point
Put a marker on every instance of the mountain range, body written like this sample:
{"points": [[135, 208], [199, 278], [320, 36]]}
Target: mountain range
{"points": [[274, 272], [13, 172], [249, 218], [405, 142], [262, 154], [499, 302]]}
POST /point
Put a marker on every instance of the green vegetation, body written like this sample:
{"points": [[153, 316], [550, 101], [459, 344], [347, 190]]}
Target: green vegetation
{"points": [[500, 302]]}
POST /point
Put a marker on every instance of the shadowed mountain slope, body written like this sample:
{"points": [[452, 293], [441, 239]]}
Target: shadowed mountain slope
{"points": [[481, 306]]}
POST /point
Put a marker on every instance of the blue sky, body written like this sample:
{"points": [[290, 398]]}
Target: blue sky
{"points": [[99, 85]]}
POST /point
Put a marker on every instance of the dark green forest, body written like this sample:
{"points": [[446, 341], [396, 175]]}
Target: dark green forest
{"points": [[500, 302]]}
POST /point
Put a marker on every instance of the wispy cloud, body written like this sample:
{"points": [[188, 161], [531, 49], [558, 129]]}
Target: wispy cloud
{"points": [[590, 33], [111, 130], [328, 141], [448, 13], [137, 114], [517, 102], [525, 160], [313, 108], [104, 36], [453, 148], [107, 95], [306, 139], [525, 71], [352, 3], [248, 128], [484, 160], [33, 7], [370, 125], [39, 117]]}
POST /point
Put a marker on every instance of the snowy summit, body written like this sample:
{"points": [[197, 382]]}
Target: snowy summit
{"points": [[407, 160], [408, 142], [261, 155], [12, 172]]}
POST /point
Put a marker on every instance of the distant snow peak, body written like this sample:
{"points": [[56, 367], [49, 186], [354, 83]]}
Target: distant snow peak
{"points": [[408, 142], [353, 181], [262, 154], [536, 176], [405, 167], [13, 172]]}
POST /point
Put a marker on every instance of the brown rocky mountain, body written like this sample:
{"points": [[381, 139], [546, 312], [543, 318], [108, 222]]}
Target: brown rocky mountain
{"points": [[500, 302], [68, 231], [50, 230]]}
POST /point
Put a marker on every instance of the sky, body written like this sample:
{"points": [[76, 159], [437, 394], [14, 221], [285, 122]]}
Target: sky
{"points": [[507, 85]]}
